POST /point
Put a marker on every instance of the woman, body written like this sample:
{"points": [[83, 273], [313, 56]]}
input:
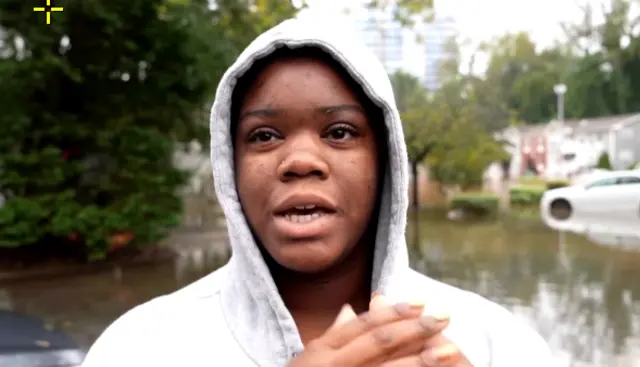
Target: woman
{"points": [[310, 167]]}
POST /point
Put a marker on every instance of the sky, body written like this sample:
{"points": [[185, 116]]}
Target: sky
{"points": [[483, 20]]}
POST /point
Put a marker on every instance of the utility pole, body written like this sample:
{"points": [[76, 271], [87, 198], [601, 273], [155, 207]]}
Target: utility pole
{"points": [[560, 90]]}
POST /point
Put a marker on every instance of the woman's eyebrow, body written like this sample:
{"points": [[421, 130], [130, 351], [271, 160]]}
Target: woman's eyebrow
{"points": [[325, 110], [260, 112], [328, 110]]}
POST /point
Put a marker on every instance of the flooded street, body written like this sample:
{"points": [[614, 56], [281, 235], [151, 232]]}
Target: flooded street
{"points": [[583, 297]]}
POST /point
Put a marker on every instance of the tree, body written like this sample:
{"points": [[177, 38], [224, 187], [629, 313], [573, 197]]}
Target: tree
{"points": [[421, 134], [440, 129], [407, 12], [520, 80], [93, 106], [465, 149], [607, 71]]}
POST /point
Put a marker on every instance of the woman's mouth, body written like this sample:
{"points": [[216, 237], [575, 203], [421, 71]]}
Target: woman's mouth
{"points": [[305, 221], [304, 213]]}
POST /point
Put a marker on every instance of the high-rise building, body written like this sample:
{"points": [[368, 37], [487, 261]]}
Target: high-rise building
{"points": [[395, 45], [419, 50], [436, 36]]}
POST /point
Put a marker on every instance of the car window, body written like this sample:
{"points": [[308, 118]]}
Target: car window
{"points": [[629, 180], [603, 182]]}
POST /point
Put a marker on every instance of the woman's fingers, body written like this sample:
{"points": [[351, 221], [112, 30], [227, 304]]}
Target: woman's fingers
{"points": [[339, 334], [380, 344], [377, 301], [447, 355]]}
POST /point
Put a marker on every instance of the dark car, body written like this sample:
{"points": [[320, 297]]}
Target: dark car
{"points": [[26, 341]]}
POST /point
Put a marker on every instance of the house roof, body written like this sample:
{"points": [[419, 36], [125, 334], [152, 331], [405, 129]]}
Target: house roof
{"points": [[579, 126]]}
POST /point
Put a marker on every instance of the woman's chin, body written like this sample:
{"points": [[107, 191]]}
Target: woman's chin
{"points": [[306, 258]]}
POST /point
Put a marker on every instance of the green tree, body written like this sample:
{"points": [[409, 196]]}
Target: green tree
{"points": [[421, 134], [407, 12], [93, 106], [465, 150], [440, 130], [521, 78], [604, 79]]}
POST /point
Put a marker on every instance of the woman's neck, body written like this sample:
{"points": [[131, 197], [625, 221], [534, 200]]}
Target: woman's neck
{"points": [[315, 300]]}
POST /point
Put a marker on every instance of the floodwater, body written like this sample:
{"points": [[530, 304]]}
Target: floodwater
{"points": [[583, 297]]}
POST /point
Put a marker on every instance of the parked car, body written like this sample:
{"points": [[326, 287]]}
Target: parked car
{"points": [[606, 203], [26, 341]]}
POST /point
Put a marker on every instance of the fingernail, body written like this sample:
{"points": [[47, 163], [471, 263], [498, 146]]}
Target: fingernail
{"points": [[439, 316], [345, 314], [445, 352], [416, 303], [430, 321], [403, 309]]}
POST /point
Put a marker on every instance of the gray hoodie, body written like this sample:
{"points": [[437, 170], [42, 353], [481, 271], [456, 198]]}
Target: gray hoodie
{"points": [[235, 316]]}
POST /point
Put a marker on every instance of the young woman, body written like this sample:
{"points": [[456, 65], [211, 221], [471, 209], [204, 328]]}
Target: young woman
{"points": [[310, 167]]}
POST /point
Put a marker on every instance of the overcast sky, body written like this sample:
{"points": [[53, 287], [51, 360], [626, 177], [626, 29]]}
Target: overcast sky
{"points": [[480, 21]]}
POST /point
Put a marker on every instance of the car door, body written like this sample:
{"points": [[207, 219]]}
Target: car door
{"points": [[629, 199], [596, 200]]}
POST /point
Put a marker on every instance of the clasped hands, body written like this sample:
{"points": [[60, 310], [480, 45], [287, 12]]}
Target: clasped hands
{"points": [[387, 335]]}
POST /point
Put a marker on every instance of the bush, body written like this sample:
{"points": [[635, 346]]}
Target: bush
{"points": [[477, 205], [604, 162], [556, 184], [532, 181], [525, 196]]}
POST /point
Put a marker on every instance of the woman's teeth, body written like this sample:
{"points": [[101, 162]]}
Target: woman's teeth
{"points": [[303, 218], [306, 207]]}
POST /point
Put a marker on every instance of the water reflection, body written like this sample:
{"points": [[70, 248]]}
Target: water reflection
{"points": [[584, 298]]}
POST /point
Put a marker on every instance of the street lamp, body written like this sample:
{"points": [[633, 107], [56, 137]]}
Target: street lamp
{"points": [[560, 90]]}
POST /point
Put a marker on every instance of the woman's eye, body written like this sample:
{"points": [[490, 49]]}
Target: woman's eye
{"points": [[341, 133], [262, 136]]}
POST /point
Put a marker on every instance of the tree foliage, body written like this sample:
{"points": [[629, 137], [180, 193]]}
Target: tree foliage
{"points": [[93, 106], [599, 63], [441, 130]]}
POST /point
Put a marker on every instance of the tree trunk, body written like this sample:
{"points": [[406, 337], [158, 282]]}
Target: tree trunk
{"points": [[415, 204]]}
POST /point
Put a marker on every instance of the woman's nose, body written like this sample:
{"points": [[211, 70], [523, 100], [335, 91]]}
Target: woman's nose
{"points": [[304, 158]]}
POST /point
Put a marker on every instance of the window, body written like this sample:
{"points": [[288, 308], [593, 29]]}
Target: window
{"points": [[629, 180], [604, 182]]}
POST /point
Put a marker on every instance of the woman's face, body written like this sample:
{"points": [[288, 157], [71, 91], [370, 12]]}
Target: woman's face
{"points": [[306, 164]]}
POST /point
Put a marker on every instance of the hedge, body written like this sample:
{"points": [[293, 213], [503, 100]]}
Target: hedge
{"points": [[556, 184], [525, 196], [477, 205]]}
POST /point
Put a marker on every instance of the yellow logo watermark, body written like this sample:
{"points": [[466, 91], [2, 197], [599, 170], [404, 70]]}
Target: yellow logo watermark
{"points": [[48, 9]]}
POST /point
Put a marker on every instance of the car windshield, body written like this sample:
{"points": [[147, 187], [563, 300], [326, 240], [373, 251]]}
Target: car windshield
{"points": [[603, 182]]}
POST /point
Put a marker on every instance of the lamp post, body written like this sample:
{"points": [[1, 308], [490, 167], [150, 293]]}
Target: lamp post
{"points": [[560, 90]]}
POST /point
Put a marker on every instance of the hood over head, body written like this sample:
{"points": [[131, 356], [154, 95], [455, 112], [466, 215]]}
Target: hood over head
{"points": [[251, 300]]}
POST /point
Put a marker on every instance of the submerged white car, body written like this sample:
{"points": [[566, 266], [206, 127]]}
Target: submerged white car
{"points": [[608, 203]]}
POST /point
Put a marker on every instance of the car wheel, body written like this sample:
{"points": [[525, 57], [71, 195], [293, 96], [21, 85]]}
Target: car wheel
{"points": [[560, 209]]}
